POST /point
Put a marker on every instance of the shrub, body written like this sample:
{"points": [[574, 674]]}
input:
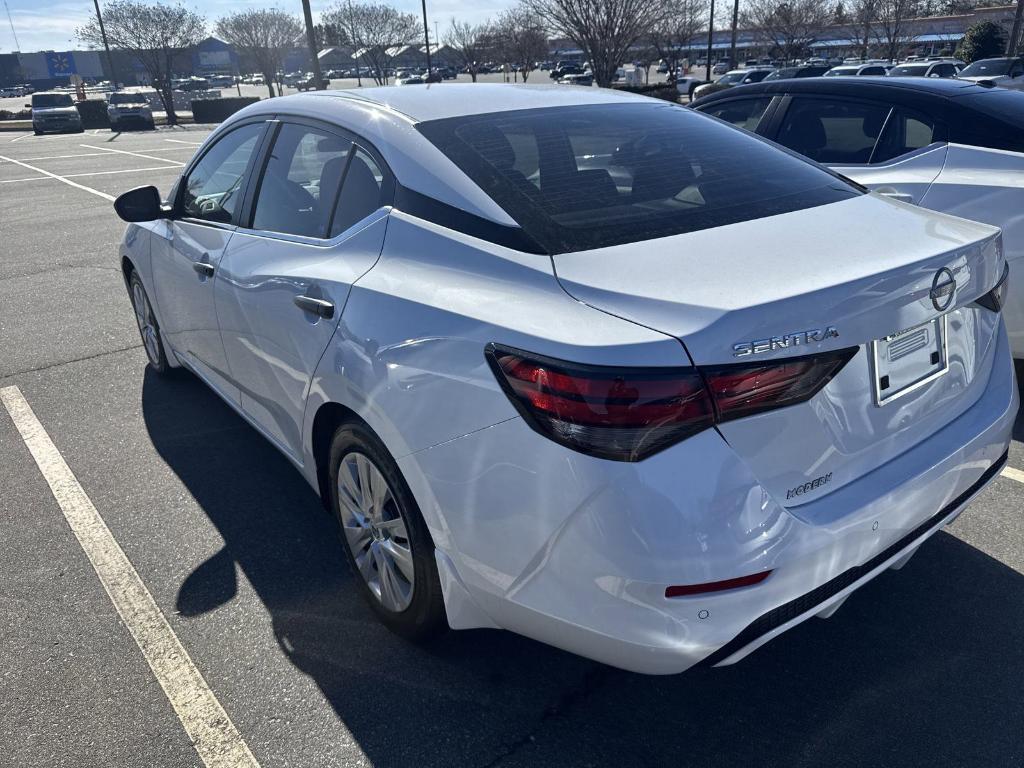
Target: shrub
{"points": [[218, 110], [666, 91], [983, 40]]}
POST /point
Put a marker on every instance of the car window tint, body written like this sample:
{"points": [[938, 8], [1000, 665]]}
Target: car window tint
{"points": [[832, 130], [1017, 69], [1005, 131], [360, 193], [609, 174], [743, 113], [904, 133], [213, 187], [873, 71], [300, 183]]}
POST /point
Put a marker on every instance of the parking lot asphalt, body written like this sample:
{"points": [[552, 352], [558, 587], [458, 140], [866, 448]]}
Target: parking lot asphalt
{"points": [[922, 667]]}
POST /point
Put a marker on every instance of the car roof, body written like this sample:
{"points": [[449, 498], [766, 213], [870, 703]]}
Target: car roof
{"points": [[863, 86], [443, 100]]}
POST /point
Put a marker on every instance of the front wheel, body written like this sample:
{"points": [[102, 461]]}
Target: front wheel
{"points": [[386, 541], [149, 328]]}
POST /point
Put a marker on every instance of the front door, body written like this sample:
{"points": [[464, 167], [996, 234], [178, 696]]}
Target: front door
{"points": [[316, 226], [188, 248]]}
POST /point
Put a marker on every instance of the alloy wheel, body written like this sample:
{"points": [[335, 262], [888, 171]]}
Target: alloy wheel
{"points": [[147, 324], [376, 532]]}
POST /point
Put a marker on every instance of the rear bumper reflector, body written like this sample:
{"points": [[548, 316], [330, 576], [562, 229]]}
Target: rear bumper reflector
{"points": [[716, 586]]}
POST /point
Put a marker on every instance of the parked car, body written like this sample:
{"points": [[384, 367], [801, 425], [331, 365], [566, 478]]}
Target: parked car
{"points": [[720, 68], [563, 70], [127, 108], [790, 73], [1004, 72], [580, 79], [858, 70], [687, 84], [409, 79], [309, 83], [947, 145], [925, 69], [730, 79], [520, 405], [54, 112]]}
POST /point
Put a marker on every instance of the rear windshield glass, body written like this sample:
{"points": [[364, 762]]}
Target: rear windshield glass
{"points": [[52, 100], [582, 177], [1001, 103], [914, 70], [127, 98], [987, 68]]}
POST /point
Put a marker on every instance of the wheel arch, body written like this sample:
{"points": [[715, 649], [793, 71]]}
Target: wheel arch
{"points": [[328, 417]]}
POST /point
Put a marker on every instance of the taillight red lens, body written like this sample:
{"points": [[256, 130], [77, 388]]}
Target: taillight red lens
{"points": [[615, 413], [743, 390], [628, 414], [684, 590]]}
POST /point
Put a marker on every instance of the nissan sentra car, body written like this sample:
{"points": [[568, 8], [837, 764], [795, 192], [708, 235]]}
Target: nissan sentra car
{"points": [[586, 366]]}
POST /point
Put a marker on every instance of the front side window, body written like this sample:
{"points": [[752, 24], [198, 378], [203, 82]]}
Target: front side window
{"points": [[832, 130], [743, 113], [590, 176], [300, 183], [212, 189]]}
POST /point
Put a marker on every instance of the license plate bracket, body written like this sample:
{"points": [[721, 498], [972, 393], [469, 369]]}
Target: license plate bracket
{"points": [[909, 359]]}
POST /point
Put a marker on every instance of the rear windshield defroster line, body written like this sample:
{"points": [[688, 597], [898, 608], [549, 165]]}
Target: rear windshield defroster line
{"points": [[591, 176]]}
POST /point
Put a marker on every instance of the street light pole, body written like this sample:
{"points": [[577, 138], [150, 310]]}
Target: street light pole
{"points": [[426, 35], [311, 39], [106, 45], [711, 32]]}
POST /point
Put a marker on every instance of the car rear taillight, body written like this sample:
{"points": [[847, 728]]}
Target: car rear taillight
{"points": [[996, 298], [628, 414]]}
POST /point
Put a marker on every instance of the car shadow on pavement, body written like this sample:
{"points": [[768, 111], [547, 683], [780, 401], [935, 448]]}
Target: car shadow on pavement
{"points": [[920, 667]]}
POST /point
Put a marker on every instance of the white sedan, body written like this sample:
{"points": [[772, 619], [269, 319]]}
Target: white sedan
{"points": [[583, 365]]}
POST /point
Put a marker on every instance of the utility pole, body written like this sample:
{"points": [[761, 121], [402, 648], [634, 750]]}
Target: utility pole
{"points": [[426, 34], [1014, 42], [735, 19], [17, 45], [106, 45], [311, 39], [711, 32]]}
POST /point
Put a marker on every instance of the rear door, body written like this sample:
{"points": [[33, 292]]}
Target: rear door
{"points": [[316, 224]]}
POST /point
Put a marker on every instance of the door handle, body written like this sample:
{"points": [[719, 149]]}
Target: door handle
{"points": [[891, 193], [204, 269], [320, 307]]}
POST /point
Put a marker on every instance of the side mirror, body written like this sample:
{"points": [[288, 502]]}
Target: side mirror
{"points": [[140, 204], [28, 106]]}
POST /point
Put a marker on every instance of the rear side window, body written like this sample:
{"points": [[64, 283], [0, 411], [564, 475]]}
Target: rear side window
{"points": [[904, 132], [832, 130], [743, 113], [301, 181], [360, 194], [582, 177]]}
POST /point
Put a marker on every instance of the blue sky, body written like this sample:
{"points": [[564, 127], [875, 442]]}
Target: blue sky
{"points": [[50, 24]]}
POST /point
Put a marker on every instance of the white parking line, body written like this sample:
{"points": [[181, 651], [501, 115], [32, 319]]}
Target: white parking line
{"points": [[97, 154], [1013, 474], [189, 143], [19, 138], [133, 154], [214, 736], [91, 173], [70, 183]]}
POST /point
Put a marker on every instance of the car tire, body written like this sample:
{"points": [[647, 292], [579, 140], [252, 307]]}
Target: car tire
{"points": [[149, 328], [384, 536]]}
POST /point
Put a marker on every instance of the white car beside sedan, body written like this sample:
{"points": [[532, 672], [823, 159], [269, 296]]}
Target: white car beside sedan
{"points": [[583, 365]]}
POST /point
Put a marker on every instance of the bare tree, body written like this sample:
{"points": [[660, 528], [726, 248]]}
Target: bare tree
{"points": [[152, 33], [790, 26], [520, 37], [469, 43], [265, 36], [373, 29], [604, 30], [862, 15], [676, 28], [892, 25]]}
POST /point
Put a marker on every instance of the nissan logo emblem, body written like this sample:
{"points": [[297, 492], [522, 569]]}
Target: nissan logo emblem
{"points": [[943, 288]]}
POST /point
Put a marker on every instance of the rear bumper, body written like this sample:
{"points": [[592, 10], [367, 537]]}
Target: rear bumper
{"points": [[577, 552]]}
